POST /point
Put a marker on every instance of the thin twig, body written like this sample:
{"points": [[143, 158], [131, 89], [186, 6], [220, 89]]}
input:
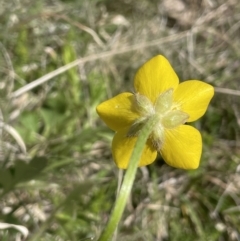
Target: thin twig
{"points": [[227, 91], [106, 54]]}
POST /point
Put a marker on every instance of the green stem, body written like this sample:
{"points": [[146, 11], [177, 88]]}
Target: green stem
{"points": [[128, 180]]}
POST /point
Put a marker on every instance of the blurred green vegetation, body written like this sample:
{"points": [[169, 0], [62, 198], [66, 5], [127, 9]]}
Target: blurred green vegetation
{"points": [[63, 186]]}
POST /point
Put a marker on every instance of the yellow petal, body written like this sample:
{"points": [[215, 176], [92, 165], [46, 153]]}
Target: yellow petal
{"points": [[155, 77], [118, 112], [122, 148], [182, 147], [193, 97]]}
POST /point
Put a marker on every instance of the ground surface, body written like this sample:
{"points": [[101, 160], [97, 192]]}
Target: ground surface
{"points": [[67, 189]]}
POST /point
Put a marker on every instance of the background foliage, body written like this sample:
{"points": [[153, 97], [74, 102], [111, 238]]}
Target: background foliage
{"points": [[57, 177]]}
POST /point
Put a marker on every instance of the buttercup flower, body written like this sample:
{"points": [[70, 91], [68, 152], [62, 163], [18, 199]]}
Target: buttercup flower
{"points": [[158, 95]]}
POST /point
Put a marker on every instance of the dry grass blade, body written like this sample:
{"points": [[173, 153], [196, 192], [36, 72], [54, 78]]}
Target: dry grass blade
{"points": [[94, 57], [227, 91], [15, 135]]}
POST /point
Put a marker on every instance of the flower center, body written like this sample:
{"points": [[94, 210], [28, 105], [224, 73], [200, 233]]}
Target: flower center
{"points": [[169, 116]]}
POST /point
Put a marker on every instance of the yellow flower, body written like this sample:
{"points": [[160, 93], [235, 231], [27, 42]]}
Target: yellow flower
{"points": [[159, 95]]}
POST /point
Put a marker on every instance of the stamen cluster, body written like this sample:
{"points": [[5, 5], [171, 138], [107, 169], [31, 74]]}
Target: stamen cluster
{"points": [[168, 114]]}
